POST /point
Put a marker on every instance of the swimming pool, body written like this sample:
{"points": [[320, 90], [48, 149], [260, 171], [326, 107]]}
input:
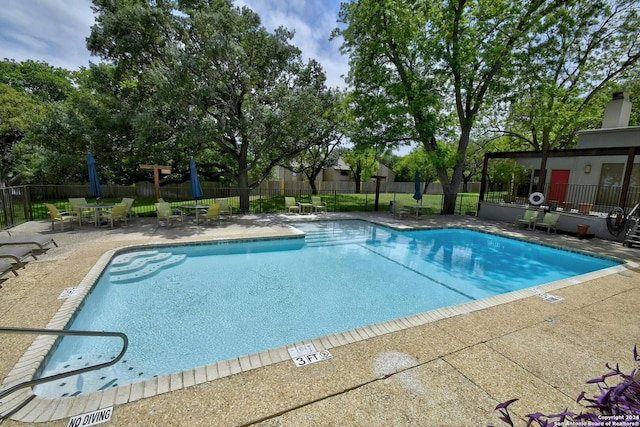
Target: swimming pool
{"points": [[342, 275]]}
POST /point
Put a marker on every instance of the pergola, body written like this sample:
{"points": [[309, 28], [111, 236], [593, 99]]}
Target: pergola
{"points": [[630, 152]]}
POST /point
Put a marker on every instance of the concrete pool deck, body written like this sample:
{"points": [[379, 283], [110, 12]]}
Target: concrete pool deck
{"points": [[451, 370]]}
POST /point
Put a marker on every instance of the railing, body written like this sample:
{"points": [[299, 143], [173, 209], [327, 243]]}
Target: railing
{"points": [[37, 331], [24, 203], [587, 198]]}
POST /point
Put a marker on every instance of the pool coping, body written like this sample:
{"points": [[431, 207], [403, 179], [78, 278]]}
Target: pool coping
{"points": [[42, 409]]}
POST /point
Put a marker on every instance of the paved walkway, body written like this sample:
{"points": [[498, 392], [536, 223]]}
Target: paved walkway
{"points": [[446, 372]]}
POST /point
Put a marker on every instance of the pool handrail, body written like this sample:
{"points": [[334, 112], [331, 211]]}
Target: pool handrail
{"points": [[36, 381]]}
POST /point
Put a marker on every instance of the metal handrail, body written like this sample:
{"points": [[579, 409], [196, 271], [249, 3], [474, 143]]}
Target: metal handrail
{"points": [[37, 331]]}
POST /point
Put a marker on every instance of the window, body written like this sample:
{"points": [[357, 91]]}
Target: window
{"points": [[612, 175]]}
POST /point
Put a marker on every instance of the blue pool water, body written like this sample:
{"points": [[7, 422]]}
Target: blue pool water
{"points": [[191, 305]]}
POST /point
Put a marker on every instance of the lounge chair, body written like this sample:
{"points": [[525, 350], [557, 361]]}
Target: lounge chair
{"points": [[290, 205], [213, 213], [42, 242], [117, 213], [129, 202], [6, 267], [75, 203], [61, 216], [225, 209], [549, 221], [166, 212], [17, 254], [318, 206], [528, 219]]}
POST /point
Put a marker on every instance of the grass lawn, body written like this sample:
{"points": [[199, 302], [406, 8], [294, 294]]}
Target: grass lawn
{"points": [[335, 202]]}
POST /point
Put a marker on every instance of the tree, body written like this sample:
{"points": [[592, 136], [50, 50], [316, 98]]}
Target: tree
{"points": [[323, 134], [39, 79], [417, 160], [564, 76], [415, 63], [206, 79], [362, 162], [27, 90], [15, 109]]}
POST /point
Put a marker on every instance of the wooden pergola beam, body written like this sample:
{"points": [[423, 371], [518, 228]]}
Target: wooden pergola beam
{"points": [[156, 175]]}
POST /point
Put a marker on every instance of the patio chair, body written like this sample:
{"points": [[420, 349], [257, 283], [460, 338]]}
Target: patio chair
{"points": [[129, 202], [549, 221], [117, 213], [61, 216], [400, 209], [81, 213], [290, 205], [42, 242], [166, 212], [318, 206], [529, 218], [225, 209], [213, 213]]}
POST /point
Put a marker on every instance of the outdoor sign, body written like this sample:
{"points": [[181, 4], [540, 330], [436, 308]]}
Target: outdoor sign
{"points": [[92, 418], [306, 354]]}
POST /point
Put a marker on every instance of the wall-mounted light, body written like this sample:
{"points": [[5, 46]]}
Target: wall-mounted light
{"points": [[587, 168]]}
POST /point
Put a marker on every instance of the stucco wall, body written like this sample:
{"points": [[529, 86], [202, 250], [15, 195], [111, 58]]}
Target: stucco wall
{"points": [[568, 222]]}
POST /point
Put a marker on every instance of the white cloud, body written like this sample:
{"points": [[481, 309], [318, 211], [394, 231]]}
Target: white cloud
{"points": [[313, 22], [55, 31], [50, 31]]}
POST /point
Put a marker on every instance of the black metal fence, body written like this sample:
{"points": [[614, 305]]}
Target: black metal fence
{"points": [[583, 198], [24, 203]]}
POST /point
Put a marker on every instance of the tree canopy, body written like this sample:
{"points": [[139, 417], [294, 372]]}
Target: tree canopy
{"points": [[421, 69], [208, 80]]}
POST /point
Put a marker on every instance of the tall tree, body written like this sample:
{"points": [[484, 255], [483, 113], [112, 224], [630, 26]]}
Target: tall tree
{"points": [[560, 76], [414, 63], [207, 80], [16, 107], [28, 90], [322, 132]]}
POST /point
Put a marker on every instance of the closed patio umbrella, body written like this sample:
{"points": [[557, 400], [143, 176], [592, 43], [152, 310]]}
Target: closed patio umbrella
{"points": [[196, 189], [417, 195], [94, 181]]}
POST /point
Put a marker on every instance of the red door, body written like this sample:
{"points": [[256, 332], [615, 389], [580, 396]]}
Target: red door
{"points": [[558, 185]]}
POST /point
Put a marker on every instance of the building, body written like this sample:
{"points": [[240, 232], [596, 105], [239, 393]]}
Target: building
{"points": [[590, 181]]}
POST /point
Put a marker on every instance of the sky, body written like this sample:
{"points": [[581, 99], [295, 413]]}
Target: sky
{"points": [[54, 31]]}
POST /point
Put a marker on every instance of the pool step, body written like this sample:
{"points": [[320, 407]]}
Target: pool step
{"points": [[101, 379], [140, 265], [131, 256], [331, 237]]}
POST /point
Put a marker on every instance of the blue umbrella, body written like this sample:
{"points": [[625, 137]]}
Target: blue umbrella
{"points": [[196, 189], [94, 181], [418, 194]]}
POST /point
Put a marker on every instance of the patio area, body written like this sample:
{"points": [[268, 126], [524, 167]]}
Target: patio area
{"points": [[451, 370]]}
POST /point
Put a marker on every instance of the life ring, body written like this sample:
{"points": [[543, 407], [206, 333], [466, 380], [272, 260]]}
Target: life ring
{"points": [[536, 199]]}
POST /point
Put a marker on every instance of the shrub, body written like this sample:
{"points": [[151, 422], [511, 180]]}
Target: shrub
{"points": [[615, 405]]}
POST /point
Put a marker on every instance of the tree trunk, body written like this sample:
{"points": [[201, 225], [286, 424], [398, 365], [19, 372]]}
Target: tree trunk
{"points": [[450, 187], [243, 190], [312, 182], [243, 179]]}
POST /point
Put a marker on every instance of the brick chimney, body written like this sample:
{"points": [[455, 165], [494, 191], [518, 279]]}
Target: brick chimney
{"points": [[617, 111]]}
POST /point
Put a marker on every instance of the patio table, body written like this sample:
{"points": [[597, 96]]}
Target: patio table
{"points": [[97, 209], [198, 207]]}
